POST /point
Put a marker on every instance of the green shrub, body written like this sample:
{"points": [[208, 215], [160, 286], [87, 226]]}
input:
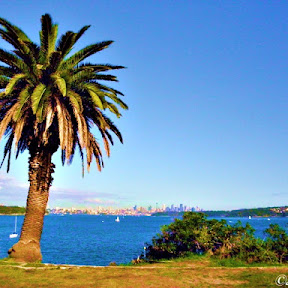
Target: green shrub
{"points": [[196, 234], [277, 242]]}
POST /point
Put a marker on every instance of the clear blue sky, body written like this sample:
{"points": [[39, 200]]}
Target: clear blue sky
{"points": [[206, 85]]}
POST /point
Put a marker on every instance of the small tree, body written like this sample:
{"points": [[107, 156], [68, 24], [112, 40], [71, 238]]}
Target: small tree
{"points": [[278, 242]]}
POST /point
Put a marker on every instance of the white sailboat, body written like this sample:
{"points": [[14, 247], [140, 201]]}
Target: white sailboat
{"points": [[117, 219], [14, 234]]}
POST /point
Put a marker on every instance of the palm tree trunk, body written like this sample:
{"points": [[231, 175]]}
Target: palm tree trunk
{"points": [[40, 171]]}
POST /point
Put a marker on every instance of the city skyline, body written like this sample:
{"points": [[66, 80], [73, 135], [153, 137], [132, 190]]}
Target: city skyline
{"points": [[206, 86], [132, 211]]}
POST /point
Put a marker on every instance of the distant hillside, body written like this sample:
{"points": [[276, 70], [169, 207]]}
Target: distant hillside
{"points": [[253, 212], [10, 210]]}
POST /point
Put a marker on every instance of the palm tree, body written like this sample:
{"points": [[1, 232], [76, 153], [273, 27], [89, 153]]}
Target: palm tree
{"points": [[50, 99]]}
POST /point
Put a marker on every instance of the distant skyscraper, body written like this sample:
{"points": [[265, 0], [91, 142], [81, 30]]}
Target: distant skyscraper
{"points": [[181, 208]]}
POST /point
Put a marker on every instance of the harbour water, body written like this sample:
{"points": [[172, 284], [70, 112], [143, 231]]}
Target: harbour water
{"points": [[99, 240]]}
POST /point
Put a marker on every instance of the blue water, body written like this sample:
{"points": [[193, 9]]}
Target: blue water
{"points": [[99, 240]]}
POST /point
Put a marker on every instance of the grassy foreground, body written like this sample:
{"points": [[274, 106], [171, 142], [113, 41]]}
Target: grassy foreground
{"points": [[197, 272]]}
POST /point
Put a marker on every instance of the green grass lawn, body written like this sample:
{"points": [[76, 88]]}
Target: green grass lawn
{"points": [[187, 272]]}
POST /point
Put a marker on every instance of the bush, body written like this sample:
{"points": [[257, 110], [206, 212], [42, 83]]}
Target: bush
{"points": [[277, 242], [196, 234]]}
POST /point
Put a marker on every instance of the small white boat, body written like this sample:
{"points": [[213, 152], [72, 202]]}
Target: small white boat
{"points": [[250, 217], [14, 234], [117, 219]]}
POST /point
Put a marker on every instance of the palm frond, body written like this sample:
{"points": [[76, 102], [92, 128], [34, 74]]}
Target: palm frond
{"points": [[3, 82], [7, 71], [106, 88], [37, 95], [113, 109], [49, 118], [109, 137], [97, 95], [65, 129], [14, 35], [7, 119], [46, 22], [82, 76], [61, 123], [75, 100], [13, 82], [14, 61], [60, 82], [117, 100], [63, 157], [48, 36], [65, 43], [106, 77], [113, 128], [19, 125], [79, 56], [98, 155], [81, 32], [24, 95], [7, 150], [43, 105], [15, 31], [82, 129], [81, 156], [52, 39], [106, 144], [5, 36], [55, 60], [99, 67]]}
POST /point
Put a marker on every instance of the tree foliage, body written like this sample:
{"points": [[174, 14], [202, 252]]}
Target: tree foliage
{"points": [[194, 233], [51, 98], [278, 242], [7, 210]]}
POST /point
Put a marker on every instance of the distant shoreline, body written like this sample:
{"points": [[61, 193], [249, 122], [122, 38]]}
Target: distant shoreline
{"points": [[13, 214], [243, 213], [252, 212]]}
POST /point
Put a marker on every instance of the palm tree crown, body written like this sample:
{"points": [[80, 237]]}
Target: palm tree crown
{"points": [[50, 99]]}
